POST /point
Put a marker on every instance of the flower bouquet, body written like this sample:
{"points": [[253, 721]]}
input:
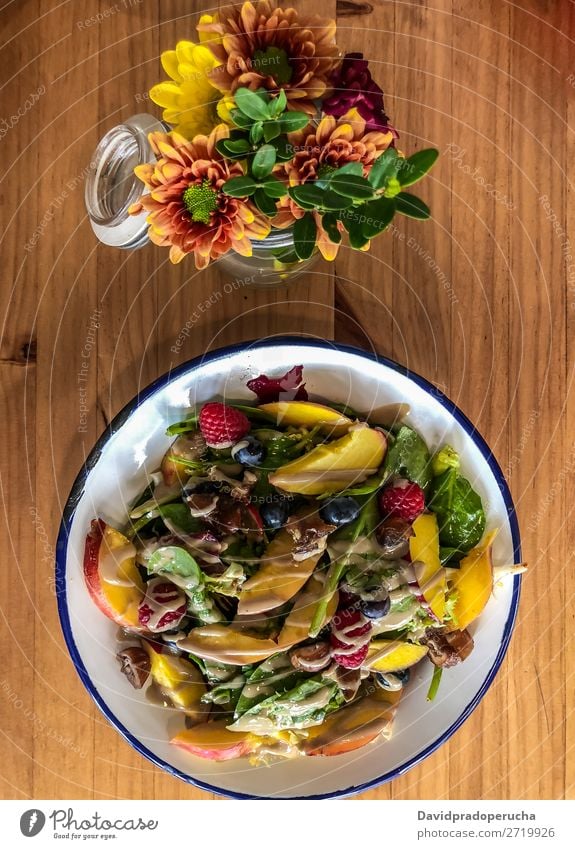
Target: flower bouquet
{"points": [[272, 128]]}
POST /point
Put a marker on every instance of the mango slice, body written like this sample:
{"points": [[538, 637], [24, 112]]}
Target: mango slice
{"points": [[225, 644], [424, 553], [336, 465], [278, 579], [213, 741], [473, 583], [307, 414], [180, 680], [297, 625], [351, 727], [391, 655]]}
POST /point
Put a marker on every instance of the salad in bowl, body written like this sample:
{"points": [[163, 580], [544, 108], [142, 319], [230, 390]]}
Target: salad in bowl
{"points": [[286, 569]]}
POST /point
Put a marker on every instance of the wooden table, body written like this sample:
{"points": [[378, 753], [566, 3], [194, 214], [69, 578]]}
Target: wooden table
{"points": [[480, 301]]}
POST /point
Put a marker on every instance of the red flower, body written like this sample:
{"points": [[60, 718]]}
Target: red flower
{"points": [[354, 87]]}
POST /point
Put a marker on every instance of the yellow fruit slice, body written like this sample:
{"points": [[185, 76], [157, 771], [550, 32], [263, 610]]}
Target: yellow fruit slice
{"points": [[335, 465], [350, 728], [429, 573], [391, 655], [307, 414], [473, 583], [278, 579], [180, 680], [297, 625], [225, 644], [213, 741]]}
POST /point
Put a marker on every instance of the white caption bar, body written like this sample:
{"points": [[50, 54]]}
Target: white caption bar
{"points": [[287, 824]]}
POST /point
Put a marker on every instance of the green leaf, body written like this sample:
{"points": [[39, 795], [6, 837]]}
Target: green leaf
{"points": [[256, 132], [384, 167], [416, 166], [351, 186], [304, 233], [334, 202], [237, 145], [274, 188], [409, 457], [376, 216], [240, 120], [283, 675], [239, 187], [251, 104], [329, 221], [284, 150], [264, 161], [292, 121], [175, 560], [272, 130], [278, 104], [353, 225], [411, 206], [233, 147], [308, 195], [459, 510], [264, 202], [355, 168]]}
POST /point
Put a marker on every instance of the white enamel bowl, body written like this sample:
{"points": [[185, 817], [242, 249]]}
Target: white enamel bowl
{"points": [[116, 472]]}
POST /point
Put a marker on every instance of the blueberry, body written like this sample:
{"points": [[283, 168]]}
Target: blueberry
{"points": [[275, 513], [403, 675], [376, 609], [392, 681], [249, 452], [340, 511]]}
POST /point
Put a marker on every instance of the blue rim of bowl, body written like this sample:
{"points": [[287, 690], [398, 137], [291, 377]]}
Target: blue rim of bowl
{"points": [[222, 353]]}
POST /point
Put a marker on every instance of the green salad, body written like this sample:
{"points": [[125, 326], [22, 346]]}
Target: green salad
{"points": [[286, 567]]}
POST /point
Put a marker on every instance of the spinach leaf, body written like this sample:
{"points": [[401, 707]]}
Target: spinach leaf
{"points": [[296, 708], [458, 509], [179, 515], [274, 676], [409, 457], [181, 568]]}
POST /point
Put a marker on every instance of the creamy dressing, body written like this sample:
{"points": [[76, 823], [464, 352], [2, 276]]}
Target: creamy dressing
{"points": [[172, 600], [110, 563], [316, 701]]}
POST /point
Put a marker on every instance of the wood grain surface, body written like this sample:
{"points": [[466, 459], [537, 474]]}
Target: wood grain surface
{"points": [[481, 301]]}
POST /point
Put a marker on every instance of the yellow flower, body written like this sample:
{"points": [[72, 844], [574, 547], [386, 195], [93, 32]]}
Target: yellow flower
{"points": [[190, 102]]}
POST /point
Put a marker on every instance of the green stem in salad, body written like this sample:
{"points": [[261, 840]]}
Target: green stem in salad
{"points": [[364, 524], [435, 681], [187, 424]]}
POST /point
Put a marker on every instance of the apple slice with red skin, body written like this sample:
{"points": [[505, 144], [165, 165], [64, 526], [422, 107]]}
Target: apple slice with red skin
{"points": [[118, 601], [213, 741]]}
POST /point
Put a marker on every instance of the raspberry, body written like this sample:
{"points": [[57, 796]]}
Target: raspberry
{"points": [[159, 594], [342, 628], [402, 499], [222, 426]]}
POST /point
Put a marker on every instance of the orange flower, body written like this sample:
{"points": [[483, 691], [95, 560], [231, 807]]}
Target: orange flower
{"points": [[187, 208], [258, 46], [332, 144]]}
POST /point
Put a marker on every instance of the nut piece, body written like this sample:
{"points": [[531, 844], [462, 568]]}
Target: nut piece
{"points": [[309, 534], [135, 665], [448, 649], [393, 537], [311, 658], [201, 504]]}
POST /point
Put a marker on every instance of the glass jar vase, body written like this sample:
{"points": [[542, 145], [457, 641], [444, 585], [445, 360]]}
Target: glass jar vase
{"points": [[273, 261]]}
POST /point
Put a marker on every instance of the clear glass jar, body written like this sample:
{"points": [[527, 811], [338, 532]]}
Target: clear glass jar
{"points": [[112, 186], [265, 267]]}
